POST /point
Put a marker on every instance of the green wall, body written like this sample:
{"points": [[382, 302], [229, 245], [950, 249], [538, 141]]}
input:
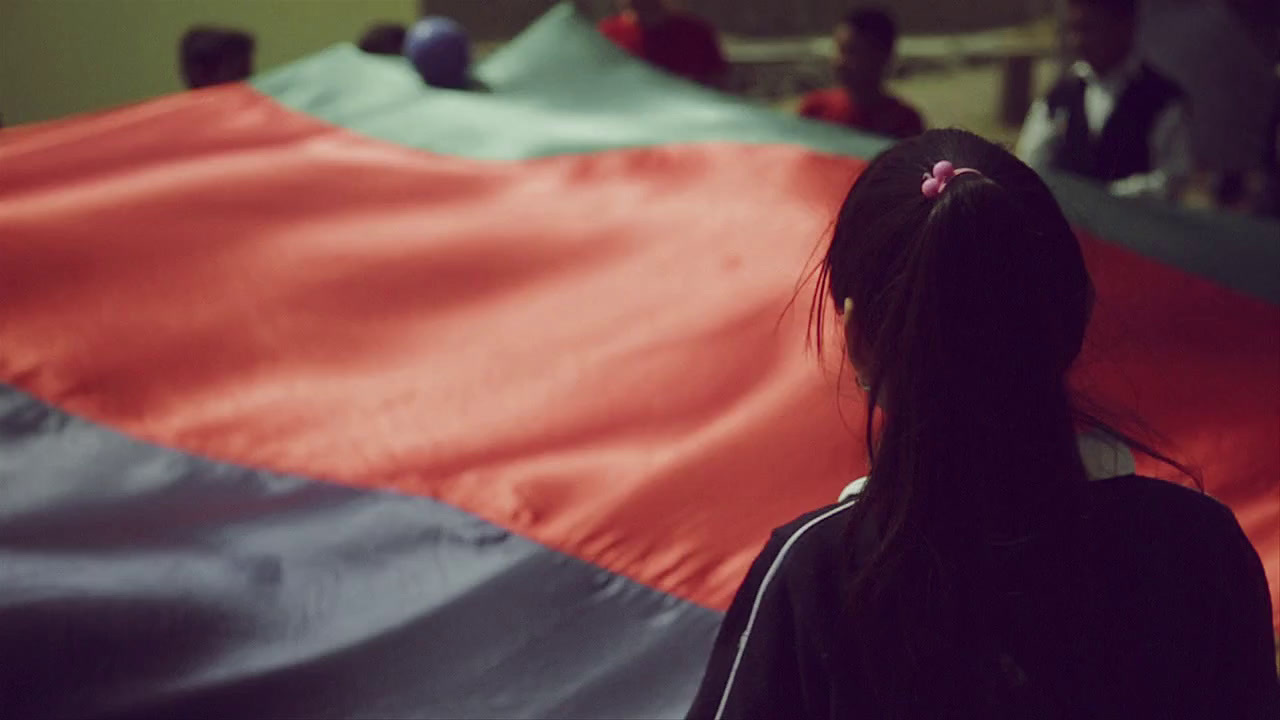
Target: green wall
{"points": [[59, 57]]}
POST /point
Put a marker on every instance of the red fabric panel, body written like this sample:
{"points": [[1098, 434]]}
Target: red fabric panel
{"points": [[589, 350], [1200, 365]]}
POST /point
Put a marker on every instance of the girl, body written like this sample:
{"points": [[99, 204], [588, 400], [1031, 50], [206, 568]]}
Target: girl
{"points": [[977, 572]]}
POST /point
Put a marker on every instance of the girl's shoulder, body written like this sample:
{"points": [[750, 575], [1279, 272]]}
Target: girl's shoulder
{"points": [[809, 550], [1123, 508], [825, 526], [1139, 496], [1160, 524]]}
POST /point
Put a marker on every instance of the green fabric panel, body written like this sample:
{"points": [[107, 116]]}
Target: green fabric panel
{"points": [[557, 88], [562, 88], [1236, 251]]}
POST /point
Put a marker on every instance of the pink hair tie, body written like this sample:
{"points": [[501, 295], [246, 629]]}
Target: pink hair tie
{"points": [[936, 182]]}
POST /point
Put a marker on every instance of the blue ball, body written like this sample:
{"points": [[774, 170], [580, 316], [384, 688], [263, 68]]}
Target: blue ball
{"points": [[438, 47]]}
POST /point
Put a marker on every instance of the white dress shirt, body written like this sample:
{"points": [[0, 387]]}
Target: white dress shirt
{"points": [[1169, 142]]}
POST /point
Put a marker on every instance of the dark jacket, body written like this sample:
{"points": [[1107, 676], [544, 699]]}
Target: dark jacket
{"points": [[1172, 619]]}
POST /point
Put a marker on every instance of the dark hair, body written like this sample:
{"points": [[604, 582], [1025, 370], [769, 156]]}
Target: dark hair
{"points": [[874, 24], [384, 39], [203, 49], [967, 311], [1119, 8]]}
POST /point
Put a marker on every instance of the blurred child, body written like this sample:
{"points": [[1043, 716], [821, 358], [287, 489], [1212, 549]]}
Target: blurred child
{"points": [[675, 40], [212, 56], [384, 39], [865, 42]]}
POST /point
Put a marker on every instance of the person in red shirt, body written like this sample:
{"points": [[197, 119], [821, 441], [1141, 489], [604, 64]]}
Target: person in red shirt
{"points": [[674, 40], [864, 49]]}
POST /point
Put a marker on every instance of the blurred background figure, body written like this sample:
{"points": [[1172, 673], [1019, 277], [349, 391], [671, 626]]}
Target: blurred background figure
{"points": [[384, 39], [1259, 185], [1268, 197], [865, 42], [1224, 54], [675, 40], [212, 56], [441, 52], [1111, 116]]}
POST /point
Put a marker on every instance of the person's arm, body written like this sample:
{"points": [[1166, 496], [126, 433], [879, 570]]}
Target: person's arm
{"points": [[1244, 684], [754, 670], [1039, 137], [1170, 148]]}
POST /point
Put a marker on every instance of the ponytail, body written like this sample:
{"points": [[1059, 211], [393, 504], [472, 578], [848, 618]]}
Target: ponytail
{"points": [[969, 300]]}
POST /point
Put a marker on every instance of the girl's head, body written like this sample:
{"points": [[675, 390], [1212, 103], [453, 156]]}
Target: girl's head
{"points": [[980, 289]]}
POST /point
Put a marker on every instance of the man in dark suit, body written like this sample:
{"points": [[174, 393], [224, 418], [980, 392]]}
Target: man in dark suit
{"points": [[1111, 117]]}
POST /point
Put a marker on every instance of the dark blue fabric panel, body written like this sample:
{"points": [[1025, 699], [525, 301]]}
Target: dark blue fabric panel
{"points": [[137, 581]]}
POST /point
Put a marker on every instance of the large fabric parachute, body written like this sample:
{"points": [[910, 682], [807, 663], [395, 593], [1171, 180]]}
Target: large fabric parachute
{"points": [[335, 395]]}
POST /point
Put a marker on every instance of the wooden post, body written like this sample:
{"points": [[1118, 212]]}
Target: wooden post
{"points": [[1015, 96]]}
